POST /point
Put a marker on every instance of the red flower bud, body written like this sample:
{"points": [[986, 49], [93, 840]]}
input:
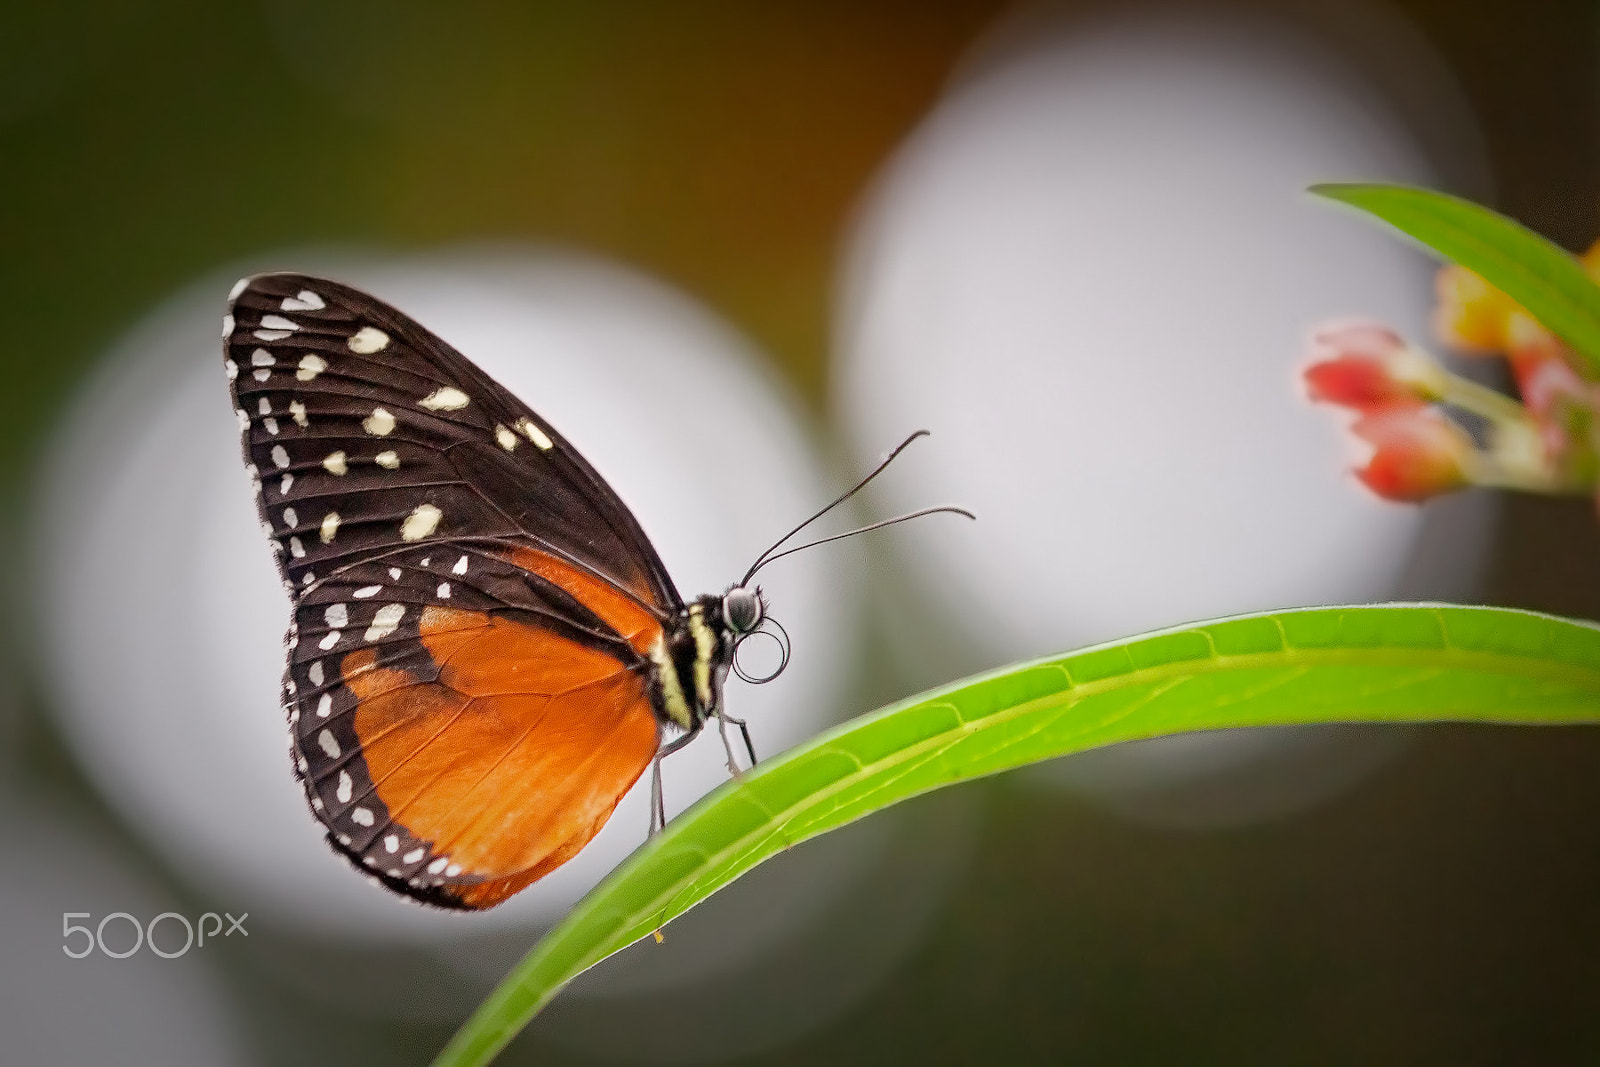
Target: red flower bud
{"points": [[1419, 453], [1547, 382], [1352, 383], [1364, 365]]}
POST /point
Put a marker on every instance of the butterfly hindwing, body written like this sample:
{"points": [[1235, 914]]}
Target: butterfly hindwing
{"points": [[473, 607]]}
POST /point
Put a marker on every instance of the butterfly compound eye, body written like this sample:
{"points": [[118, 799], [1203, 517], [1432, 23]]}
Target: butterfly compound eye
{"points": [[741, 609]]}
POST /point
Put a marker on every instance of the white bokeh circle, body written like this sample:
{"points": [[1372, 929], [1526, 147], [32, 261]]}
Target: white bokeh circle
{"points": [[164, 617], [1091, 271]]}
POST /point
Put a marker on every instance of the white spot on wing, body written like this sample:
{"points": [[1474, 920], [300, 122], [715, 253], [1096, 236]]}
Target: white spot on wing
{"points": [[310, 366], [290, 518], [261, 374], [438, 865], [244, 420], [315, 673], [279, 456], [233, 369], [391, 843], [444, 398], [387, 460], [346, 789], [414, 855], [337, 615], [362, 816], [305, 301], [423, 520], [296, 549], [335, 463], [262, 358], [368, 340], [238, 287], [325, 706], [227, 326], [379, 423], [443, 592], [330, 639], [283, 486], [265, 406], [298, 411], [271, 424], [460, 567], [385, 622], [507, 439], [328, 743], [534, 434], [330, 527], [452, 870], [394, 573], [366, 591]]}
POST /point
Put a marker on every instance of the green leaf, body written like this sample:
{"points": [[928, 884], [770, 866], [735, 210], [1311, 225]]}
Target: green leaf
{"points": [[1387, 663], [1539, 275]]}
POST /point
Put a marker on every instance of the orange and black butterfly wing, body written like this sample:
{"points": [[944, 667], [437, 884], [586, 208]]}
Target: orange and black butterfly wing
{"points": [[468, 678], [468, 726]]}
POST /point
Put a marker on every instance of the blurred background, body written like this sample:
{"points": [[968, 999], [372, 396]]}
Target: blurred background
{"points": [[736, 251]]}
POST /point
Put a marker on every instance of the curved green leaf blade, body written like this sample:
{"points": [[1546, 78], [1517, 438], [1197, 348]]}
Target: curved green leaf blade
{"points": [[1539, 275], [1387, 663]]}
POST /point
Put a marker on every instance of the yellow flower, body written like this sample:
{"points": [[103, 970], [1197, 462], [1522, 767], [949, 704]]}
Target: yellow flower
{"points": [[1471, 315]]}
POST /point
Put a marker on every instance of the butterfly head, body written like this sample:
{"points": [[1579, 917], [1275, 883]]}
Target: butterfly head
{"points": [[744, 616], [743, 610]]}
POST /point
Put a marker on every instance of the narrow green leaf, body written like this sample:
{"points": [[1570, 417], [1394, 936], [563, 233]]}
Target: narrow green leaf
{"points": [[1387, 663], [1539, 275]]}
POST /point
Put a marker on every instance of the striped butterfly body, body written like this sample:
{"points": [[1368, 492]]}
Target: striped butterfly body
{"points": [[485, 651]]}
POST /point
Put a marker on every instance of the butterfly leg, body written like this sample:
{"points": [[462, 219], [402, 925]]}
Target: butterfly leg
{"points": [[658, 803], [723, 719]]}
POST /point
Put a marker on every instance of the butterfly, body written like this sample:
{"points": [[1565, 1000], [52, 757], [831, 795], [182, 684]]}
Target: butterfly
{"points": [[485, 651]]}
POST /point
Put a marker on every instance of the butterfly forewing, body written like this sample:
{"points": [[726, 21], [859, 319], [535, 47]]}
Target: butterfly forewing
{"points": [[473, 607], [357, 404]]}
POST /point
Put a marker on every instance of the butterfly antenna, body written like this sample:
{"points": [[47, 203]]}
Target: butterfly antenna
{"points": [[767, 556], [945, 508]]}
